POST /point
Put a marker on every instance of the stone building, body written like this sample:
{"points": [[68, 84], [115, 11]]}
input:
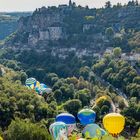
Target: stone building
{"points": [[55, 33], [52, 33]]}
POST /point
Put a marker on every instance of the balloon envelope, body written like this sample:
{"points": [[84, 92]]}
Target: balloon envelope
{"points": [[1, 138], [86, 116], [48, 90], [68, 119], [38, 84], [92, 130], [43, 85], [31, 82], [59, 131], [103, 132], [100, 98], [44, 88], [37, 87], [37, 90], [114, 123]]}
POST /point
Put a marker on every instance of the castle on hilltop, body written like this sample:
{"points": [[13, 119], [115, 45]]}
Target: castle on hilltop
{"points": [[49, 25]]}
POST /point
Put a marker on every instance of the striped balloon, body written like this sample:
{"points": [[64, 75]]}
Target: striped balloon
{"points": [[37, 84], [31, 82], [86, 116], [37, 87], [68, 119]]}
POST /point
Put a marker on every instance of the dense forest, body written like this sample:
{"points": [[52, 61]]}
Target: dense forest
{"points": [[72, 93], [76, 81]]}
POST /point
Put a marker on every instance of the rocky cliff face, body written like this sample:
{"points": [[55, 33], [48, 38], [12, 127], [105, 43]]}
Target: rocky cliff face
{"points": [[40, 20], [71, 26], [44, 24]]}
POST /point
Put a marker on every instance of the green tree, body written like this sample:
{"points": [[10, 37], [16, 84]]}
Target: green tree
{"points": [[137, 137], [99, 67], [136, 80], [21, 130], [23, 77], [117, 52], [81, 83], [133, 90], [121, 103], [83, 96], [12, 64], [58, 95], [73, 106], [109, 32], [108, 4], [106, 73], [104, 109], [118, 40], [84, 71], [103, 102], [49, 78]]}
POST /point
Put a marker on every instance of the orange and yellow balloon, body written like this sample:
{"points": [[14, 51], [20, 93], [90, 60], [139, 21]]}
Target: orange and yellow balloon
{"points": [[100, 98], [114, 123]]}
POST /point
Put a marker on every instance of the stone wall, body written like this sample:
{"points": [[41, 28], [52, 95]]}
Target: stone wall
{"points": [[56, 33], [52, 33], [32, 40], [44, 35]]}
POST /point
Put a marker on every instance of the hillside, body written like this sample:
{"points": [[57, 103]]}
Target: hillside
{"points": [[76, 27], [74, 36], [88, 57], [19, 102], [69, 95]]}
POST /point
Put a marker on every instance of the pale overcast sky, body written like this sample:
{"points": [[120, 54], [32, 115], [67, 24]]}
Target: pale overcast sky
{"points": [[30, 5]]}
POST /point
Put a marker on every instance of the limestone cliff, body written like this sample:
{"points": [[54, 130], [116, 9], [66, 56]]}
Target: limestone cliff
{"points": [[76, 26]]}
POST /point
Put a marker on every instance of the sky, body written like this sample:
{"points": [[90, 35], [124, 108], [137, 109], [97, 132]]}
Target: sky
{"points": [[31, 5]]}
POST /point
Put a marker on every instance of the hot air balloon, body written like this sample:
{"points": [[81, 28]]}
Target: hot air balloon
{"points": [[1, 138], [48, 90], [37, 90], [101, 98], [86, 116], [103, 132], [37, 87], [59, 131], [92, 131], [37, 84], [44, 88], [68, 119], [114, 123], [31, 83]]}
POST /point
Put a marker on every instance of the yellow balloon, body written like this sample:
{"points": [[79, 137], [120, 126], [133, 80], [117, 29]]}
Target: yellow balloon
{"points": [[114, 123], [101, 98], [38, 84], [1, 138], [32, 86]]}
